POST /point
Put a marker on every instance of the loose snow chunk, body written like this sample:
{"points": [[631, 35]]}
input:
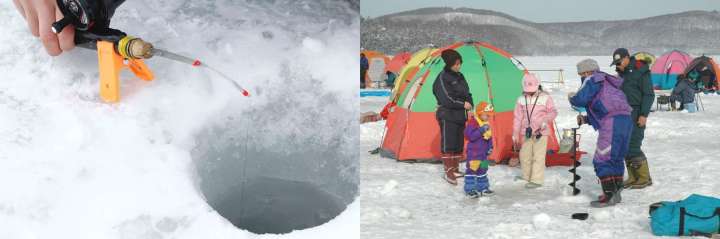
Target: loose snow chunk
{"points": [[389, 187], [541, 221], [313, 45]]}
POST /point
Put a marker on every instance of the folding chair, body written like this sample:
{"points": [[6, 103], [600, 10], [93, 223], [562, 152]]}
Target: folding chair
{"points": [[662, 100], [698, 99]]}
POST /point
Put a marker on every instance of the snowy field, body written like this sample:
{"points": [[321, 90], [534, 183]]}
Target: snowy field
{"points": [[74, 167], [405, 200]]}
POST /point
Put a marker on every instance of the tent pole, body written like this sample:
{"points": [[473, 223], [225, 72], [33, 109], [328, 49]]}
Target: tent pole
{"points": [[487, 74]]}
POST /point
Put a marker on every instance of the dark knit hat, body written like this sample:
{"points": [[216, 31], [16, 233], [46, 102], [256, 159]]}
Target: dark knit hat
{"points": [[450, 56]]}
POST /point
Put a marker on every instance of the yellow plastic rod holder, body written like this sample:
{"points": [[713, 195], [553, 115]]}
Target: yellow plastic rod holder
{"points": [[111, 64]]}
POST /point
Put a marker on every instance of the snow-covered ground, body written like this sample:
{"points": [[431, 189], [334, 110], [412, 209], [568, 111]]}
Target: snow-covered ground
{"points": [[74, 167], [404, 200]]}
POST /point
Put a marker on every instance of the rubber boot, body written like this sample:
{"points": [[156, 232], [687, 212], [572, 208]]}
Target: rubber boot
{"points": [[611, 192], [643, 176], [456, 165], [619, 185], [448, 169], [632, 175]]}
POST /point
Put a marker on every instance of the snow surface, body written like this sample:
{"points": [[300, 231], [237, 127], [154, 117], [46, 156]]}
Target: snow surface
{"points": [[405, 200], [73, 167]]}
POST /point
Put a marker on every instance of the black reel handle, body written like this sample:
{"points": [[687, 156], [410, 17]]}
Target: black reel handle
{"points": [[58, 26], [91, 19]]}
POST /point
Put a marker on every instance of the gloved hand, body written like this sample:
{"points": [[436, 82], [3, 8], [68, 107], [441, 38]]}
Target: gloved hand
{"points": [[571, 95], [581, 120], [538, 132]]}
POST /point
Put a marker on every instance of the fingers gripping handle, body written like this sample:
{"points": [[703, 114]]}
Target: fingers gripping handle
{"points": [[58, 26]]}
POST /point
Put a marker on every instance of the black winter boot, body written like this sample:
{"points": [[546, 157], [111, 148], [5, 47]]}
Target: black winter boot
{"points": [[611, 187]]}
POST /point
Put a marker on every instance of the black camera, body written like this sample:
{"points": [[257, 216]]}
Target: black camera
{"points": [[528, 132]]}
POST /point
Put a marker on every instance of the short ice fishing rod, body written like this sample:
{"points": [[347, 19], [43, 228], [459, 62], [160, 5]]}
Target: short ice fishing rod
{"points": [[91, 19]]}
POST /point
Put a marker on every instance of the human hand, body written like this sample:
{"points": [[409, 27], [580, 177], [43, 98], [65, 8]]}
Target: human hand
{"points": [[642, 120], [40, 15], [467, 106]]}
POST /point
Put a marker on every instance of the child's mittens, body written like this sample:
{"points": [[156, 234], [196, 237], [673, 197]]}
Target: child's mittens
{"points": [[488, 133]]}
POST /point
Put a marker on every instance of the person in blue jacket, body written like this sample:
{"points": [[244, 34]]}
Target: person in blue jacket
{"points": [[364, 66], [609, 113]]}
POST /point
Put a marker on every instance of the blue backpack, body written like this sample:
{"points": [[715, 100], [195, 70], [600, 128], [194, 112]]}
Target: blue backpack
{"points": [[695, 215]]}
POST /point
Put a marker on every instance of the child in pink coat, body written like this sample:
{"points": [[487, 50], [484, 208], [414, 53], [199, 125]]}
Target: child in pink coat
{"points": [[533, 115]]}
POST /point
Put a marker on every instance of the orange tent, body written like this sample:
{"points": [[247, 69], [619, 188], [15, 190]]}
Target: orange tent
{"points": [[398, 62], [705, 63]]}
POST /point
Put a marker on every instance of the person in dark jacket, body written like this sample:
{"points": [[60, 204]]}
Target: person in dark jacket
{"points": [[364, 66], [390, 80], [707, 77], [640, 95], [684, 92], [454, 100]]}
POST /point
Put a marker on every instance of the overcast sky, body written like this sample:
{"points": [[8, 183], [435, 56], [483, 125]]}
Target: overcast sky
{"points": [[549, 10]]}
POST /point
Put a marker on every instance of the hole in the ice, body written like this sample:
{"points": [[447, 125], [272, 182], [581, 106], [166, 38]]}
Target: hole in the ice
{"points": [[273, 205], [263, 191]]}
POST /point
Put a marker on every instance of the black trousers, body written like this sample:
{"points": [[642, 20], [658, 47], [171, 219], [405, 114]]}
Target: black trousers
{"points": [[452, 138], [362, 78]]}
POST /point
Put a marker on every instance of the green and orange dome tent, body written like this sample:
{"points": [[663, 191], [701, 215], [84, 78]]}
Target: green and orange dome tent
{"points": [[412, 132], [398, 62], [407, 72]]}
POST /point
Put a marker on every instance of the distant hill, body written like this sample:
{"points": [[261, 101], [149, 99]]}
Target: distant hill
{"points": [[696, 32]]}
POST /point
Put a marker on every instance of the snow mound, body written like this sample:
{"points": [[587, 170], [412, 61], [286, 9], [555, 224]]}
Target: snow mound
{"points": [[541, 221]]}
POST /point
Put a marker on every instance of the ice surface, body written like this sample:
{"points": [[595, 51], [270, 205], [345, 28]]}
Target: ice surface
{"points": [[682, 149], [73, 167]]}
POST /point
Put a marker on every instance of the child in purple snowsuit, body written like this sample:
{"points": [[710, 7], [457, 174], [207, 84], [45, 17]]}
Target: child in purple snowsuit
{"points": [[608, 113], [479, 146]]}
